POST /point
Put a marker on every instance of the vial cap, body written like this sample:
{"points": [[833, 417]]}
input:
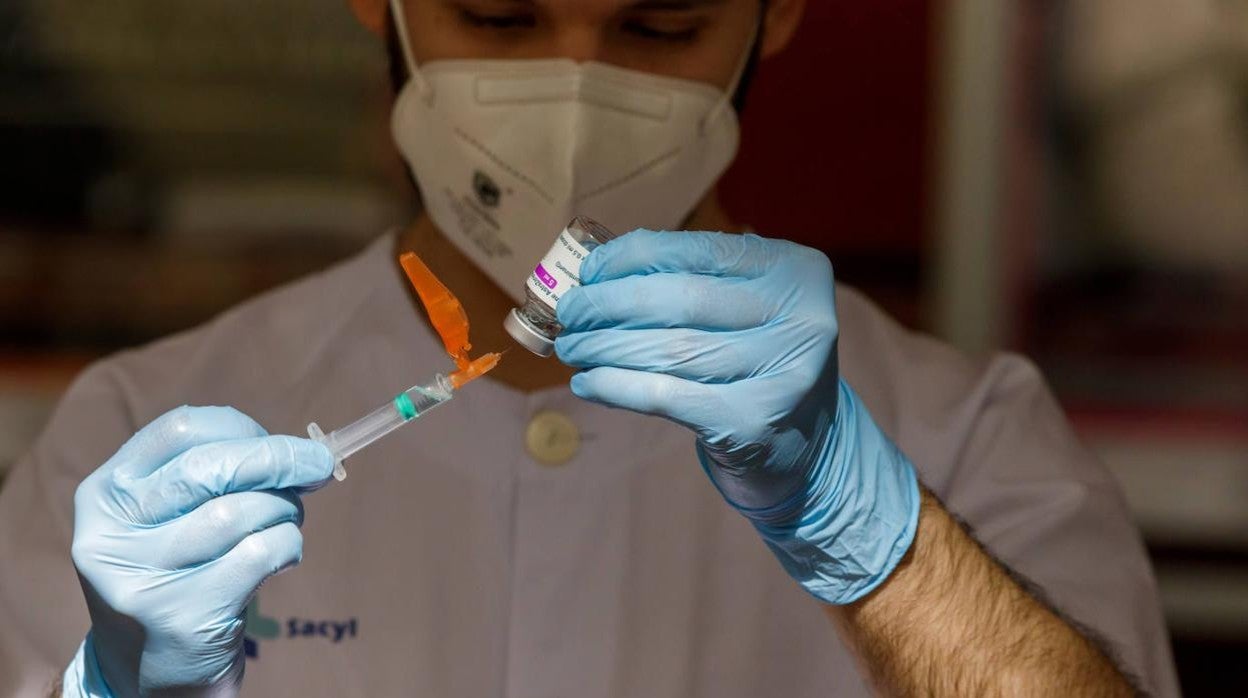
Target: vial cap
{"points": [[528, 337]]}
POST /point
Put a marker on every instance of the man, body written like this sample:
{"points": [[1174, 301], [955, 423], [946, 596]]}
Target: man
{"points": [[523, 541]]}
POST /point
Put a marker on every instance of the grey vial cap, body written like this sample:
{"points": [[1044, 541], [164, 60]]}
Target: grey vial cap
{"points": [[528, 337]]}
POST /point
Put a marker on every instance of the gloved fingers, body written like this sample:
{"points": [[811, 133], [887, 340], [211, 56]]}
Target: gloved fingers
{"points": [[650, 252], [250, 563], [219, 524], [665, 300], [695, 355], [178, 430], [212, 470], [694, 405]]}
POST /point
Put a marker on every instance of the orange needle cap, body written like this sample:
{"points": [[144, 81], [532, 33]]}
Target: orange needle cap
{"points": [[448, 318]]}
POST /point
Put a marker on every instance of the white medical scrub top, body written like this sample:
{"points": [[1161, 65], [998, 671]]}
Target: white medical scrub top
{"points": [[453, 561]]}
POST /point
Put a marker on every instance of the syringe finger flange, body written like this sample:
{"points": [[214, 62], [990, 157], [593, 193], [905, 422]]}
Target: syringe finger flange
{"points": [[315, 433]]}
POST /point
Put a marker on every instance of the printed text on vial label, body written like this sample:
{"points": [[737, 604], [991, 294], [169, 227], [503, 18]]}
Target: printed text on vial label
{"points": [[559, 270]]}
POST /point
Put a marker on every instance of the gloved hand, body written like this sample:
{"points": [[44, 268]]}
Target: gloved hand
{"points": [[172, 536], [734, 336]]}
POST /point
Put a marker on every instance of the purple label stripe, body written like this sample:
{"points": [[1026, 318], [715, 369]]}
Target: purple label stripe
{"points": [[545, 277]]}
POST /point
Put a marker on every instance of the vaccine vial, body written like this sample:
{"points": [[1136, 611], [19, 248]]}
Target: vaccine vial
{"points": [[533, 324]]}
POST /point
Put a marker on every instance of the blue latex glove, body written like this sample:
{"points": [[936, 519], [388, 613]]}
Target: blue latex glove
{"points": [[734, 336], [172, 536]]}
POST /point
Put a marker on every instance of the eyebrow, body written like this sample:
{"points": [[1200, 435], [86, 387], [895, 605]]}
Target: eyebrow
{"points": [[647, 4], [642, 5], [673, 4]]}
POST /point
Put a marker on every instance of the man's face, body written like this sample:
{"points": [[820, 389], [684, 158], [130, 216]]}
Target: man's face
{"points": [[701, 40]]}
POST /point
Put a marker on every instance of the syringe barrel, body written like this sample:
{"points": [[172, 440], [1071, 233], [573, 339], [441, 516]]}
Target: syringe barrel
{"points": [[422, 398], [346, 441], [405, 406]]}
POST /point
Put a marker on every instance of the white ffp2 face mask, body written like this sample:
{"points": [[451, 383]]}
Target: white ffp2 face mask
{"points": [[506, 152]]}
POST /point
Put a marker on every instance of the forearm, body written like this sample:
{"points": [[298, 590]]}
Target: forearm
{"points": [[951, 622]]}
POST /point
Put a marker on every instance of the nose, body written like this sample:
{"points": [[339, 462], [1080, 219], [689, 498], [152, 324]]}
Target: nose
{"points": [[579, 43]]}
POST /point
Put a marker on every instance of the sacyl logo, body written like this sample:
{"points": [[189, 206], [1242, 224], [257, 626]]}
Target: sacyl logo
{"points": [[262, 627]]}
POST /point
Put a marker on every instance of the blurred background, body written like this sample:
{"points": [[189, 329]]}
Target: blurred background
{"points": [[1064, 179]]}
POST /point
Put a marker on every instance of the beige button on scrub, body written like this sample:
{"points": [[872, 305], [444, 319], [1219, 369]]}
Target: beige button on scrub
{"points": [[551, 438]]}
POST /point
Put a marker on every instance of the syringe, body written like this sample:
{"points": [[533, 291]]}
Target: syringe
{"points": [[406, 406]]}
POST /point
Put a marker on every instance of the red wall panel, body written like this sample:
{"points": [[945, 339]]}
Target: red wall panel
{"points": [[835, 134]]}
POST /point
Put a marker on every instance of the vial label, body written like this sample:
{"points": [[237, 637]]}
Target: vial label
{"points": [[559, 270]]}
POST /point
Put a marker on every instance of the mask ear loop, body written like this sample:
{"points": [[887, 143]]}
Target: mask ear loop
{"points": [[744, 61], [400, 26]]}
